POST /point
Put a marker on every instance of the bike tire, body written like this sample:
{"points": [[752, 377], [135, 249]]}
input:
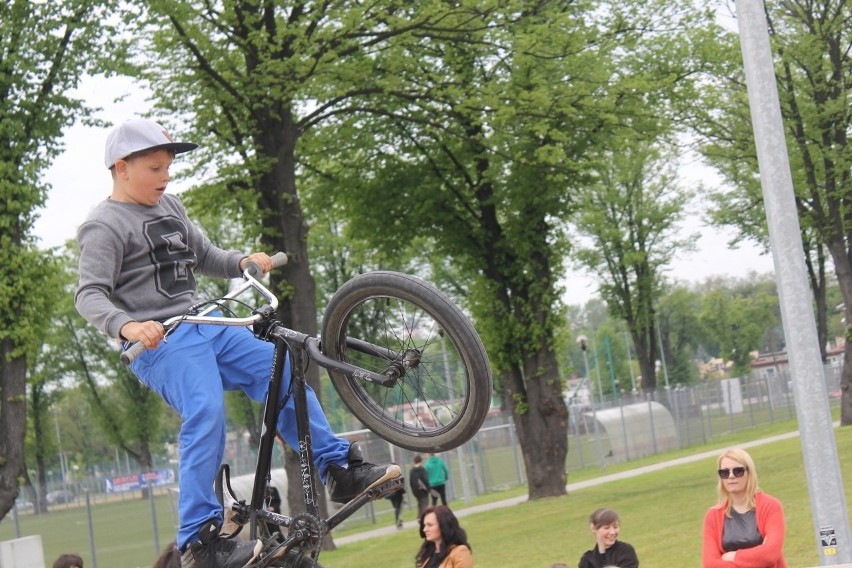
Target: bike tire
{"points": [[444, 394]]}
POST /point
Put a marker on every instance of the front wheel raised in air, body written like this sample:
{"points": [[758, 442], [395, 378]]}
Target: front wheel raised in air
{"points": [[383, 321]]}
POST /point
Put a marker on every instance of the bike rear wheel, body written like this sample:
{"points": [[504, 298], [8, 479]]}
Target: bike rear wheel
{"points": [[444, 392]]}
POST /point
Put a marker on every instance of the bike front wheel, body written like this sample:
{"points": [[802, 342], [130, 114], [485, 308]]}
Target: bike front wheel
{"points": [[387, 320]]}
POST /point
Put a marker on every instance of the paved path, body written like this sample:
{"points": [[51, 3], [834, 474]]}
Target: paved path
{"points": [[463, 512]]}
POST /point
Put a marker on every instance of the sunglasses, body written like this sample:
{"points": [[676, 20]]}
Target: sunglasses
{"points": [[737, 471]]}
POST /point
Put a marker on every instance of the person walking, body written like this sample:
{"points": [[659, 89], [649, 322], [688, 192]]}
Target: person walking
{"points": [[438, 473], [396, 501], [746, 527], [418, 482]]}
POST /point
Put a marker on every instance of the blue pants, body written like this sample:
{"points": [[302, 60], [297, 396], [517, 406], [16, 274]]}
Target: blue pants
{"points": [[191, 372]]}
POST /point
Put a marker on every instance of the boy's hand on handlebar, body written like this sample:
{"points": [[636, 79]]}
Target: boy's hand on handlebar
{"points": [[149, 333], [261, 259]]}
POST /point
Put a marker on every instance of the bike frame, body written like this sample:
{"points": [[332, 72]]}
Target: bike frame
{"points": [[306, 531]]}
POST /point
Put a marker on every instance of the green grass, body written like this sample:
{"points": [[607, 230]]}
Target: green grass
{"points": [[122, 531], [661, 512], [661, 515]]}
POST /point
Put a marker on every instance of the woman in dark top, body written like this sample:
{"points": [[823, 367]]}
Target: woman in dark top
{"points": [[608, 550]]}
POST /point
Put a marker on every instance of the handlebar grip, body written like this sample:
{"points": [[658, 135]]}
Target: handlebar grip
{"points": [[278, 259], [131, 353]]}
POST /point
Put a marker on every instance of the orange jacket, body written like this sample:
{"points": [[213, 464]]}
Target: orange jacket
{"points": [[459, 557], [770, 523]]}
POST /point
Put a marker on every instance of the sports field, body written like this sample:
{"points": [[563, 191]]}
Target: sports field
{"points": [[661, 514]]}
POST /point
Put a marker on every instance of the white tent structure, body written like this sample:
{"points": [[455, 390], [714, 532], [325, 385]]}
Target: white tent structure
{"points": [[637, 430]]}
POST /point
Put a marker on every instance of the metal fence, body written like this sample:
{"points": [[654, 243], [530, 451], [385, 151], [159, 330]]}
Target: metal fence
{"points": [[613, 429]]}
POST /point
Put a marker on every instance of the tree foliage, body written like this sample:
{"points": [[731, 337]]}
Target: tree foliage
{"points": [[810, 44], [740, 318], [44, 50], [127, 412], [481, 148], [445, 156], [631, 217], [252, 78]]}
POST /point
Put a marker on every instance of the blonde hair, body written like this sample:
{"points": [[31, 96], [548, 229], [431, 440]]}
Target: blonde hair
{"points": [[743, 458]]}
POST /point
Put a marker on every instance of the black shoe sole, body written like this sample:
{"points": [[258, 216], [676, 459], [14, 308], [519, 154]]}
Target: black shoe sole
{"points": [[391, 472]]}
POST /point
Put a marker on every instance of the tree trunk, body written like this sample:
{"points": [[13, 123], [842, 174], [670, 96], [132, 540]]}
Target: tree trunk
{"points": [[13, 421], [843, 270], [816, 275], [293, 283], [646, 356], [41, 473], [541, 421]]}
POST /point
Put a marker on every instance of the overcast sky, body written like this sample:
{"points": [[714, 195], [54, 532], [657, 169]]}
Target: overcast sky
{"points": [[79, 180]]}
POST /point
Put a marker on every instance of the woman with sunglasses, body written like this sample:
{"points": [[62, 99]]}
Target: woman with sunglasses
{"points": [[746, 528]]}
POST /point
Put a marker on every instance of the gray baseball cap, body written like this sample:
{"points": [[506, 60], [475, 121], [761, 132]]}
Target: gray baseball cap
{"points": [[137, 135]]}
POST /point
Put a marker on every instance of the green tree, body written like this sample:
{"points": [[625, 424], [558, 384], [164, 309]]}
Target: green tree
{"points": [[630, 216], [127, 412], [810, 47], [43, 392], [45, 48], [481, 148], [681, 331], [740, 316], [252, 78], [439, 169]]}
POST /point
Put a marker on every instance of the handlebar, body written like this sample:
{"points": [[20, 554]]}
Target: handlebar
{"points": [[250, 275]]}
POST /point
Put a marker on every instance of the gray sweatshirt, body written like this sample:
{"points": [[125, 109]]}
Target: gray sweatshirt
{"points": [[137, 263]]}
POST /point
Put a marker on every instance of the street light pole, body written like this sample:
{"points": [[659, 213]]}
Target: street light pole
{"points": [[62, 466], [630, 362], [819, 449], [662, 354]]}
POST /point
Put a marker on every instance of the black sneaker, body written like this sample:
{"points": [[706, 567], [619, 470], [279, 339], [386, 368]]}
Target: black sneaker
{"points": [[344, 484], [211, 551]]}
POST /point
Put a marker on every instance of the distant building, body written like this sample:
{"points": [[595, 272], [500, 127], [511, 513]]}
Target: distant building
{"points": [[716, 368], [768, 365], [577, 392]]}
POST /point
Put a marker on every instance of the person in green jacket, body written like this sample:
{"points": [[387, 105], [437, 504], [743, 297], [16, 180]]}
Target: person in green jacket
{"points": [[438, 473]]}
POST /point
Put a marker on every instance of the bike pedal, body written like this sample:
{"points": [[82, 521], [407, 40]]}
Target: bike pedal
{"points": [[388, 487]]}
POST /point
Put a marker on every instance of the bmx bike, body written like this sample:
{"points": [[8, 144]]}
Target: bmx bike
{"points": [[401, 355]]}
